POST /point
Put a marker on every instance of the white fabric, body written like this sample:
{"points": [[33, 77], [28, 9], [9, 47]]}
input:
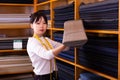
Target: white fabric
{"points": [[39, 56]]}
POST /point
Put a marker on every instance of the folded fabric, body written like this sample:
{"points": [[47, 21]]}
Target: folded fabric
{"points": [[91, 76], [101, 24], [74, 33]]}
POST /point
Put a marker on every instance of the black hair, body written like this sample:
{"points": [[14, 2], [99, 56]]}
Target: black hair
{"points": [[36, 16]]}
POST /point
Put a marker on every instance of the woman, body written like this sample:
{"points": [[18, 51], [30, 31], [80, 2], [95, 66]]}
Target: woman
{"points": [[42, 50]]}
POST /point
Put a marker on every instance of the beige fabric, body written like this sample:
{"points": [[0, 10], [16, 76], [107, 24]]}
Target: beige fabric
{"points": [[74, 33]]}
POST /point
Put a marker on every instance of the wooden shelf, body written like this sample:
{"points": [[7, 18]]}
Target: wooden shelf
{"points": [[10, 4], [14, 25], [103, 31], [96, 72], [12, 50], [66, 61], [57, 29], [43, 3]]}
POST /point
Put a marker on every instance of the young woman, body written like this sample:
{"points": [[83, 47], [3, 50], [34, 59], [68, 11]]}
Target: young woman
{"points": [[42, 50]]}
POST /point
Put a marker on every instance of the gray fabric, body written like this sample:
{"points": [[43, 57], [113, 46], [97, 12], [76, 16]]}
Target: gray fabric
{"points": [[74, 33]]}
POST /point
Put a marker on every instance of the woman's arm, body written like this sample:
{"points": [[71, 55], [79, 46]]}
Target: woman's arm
{"points": [[58, 49]]}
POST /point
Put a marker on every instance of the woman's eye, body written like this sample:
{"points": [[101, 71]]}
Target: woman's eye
{"points": [[44, 23], [37, 23]]}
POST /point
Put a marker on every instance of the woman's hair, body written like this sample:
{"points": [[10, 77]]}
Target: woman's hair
{"points": [[36, 16]]}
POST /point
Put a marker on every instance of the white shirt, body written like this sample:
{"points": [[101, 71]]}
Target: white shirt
{"points": [[39, 56]]}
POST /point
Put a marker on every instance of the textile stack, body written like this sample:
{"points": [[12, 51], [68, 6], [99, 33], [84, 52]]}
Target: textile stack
{"points": [[100, 15], [68, 55], [90, 76], [100, 53], [62, 14], [67, 69]]}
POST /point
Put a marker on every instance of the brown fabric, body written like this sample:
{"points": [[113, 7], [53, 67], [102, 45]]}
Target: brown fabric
{"points": [[74, 33]]}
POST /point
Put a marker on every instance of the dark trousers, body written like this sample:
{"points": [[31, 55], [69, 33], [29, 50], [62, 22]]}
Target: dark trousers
{"points": [[46, 76]]}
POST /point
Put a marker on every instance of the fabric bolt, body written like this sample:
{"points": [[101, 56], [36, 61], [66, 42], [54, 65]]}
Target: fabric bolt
{"points": [[105, 58], [101, 68], [103, 50], [101, 24], [74, 33], [66, 56], [103, 41], [67, 70], [113, 14], [91, 76], [8, 43], [62, 14], [64, 9], [101, 15], [103, 5], [100, 60]]}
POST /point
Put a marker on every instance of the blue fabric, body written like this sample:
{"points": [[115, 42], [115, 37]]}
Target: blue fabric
{"points": [[64, 9], [67, 69], [101, 15], [101, 24], [67, 56], [97, 66], [103, 5], [91, 76], [103, 41], [103, 50], [62, 14]]}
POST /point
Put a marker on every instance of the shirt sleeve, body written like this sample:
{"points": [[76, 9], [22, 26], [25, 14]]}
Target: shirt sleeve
{"points": [[56, 44], [39, 50]]}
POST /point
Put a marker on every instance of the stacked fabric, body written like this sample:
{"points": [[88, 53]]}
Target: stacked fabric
{"points": [[90, 76], [14, 20], [100, 53], [62, 14], [100, 15], [65, 71], [47, 13], [7, 43], [68, 55]]}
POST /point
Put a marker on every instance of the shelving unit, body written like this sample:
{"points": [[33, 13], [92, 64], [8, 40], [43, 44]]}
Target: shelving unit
{"points": [[16, 31], [51, 4], [78, 68]]}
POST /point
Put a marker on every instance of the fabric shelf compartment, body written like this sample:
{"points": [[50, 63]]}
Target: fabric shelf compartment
{"points": [[101, 15], [62, 14], [101, 54], [8, 43], [14, 18], [68, 71]]}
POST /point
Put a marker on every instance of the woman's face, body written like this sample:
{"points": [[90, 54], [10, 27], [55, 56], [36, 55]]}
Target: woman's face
{"points": [[39, 27]]}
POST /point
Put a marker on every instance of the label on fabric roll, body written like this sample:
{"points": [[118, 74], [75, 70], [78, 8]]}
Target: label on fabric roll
{"points": [[17, 44]]}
